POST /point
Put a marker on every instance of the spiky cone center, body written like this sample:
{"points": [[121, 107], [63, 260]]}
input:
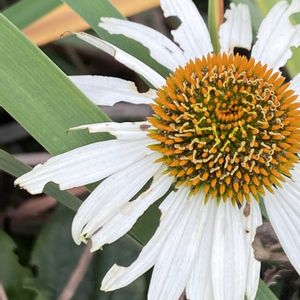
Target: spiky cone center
{"points": [[227, 126]]}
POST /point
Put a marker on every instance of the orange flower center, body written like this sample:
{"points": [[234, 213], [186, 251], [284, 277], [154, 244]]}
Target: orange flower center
{"points": [[227, 126]]}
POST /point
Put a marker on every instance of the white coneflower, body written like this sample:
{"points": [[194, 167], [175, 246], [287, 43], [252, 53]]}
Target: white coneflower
{"points": [[225, 131]]}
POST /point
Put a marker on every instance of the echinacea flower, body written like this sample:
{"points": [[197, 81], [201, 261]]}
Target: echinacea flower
{"points": [[225, 132]]}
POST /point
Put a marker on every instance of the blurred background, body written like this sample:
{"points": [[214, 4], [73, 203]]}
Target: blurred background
{"points": [[38, 259]]}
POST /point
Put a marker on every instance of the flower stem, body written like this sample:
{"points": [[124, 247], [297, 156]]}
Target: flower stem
{"points": [[215, 19]]}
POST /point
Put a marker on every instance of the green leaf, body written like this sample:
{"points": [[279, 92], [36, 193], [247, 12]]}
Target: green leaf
{"points": [[55, 257], [43, 100], [16, 168], [91, 11], [12, 274], [40, 97], [11, 165], [264, 293], [26, 12], [215, 19]]}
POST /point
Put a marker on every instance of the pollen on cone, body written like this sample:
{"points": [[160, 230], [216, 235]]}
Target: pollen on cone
{"points": [[227, 126]]}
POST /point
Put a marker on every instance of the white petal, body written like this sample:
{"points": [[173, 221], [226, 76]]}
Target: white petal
{"points": [[118, 277], [128, 214], [84, 165], [161, 48], [110, 195], [199, 285], [104, 90], [228, 254], [237, 30], [277, 35], [192, 34], [283, 208], [128, 60], [176, 259], [123, 131], [252, 219]]}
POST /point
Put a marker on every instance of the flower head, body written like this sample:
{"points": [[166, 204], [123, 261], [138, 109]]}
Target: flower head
{"points": [[224, 133], [226, 125]]}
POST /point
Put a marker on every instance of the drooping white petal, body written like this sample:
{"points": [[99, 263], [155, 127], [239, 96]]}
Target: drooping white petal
{"points": [[176, 259], [236, 31], [199, 285], [277, 35], [228, 254], [108, 198], [126, 130], [283, 208], [103, 90], [251, 215], [84, 165], [192, 35], [128, 60], [171, 209], [128, 214], [161, 48]]}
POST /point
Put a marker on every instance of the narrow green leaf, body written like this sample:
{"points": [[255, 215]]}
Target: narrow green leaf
{"points": [[43, 100], [11, 165], [16, 168], [26, 12], [264, 293], [40, 97], [63, 197], [92, 10], [215, 19]]}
